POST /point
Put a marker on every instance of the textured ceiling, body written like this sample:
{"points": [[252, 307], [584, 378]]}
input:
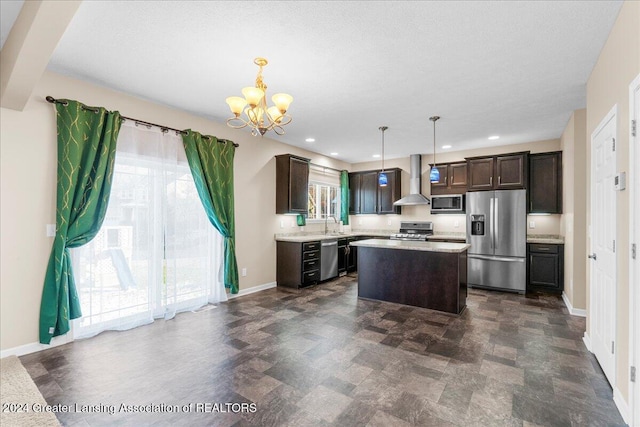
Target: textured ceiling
{"points": [[514, 69]]}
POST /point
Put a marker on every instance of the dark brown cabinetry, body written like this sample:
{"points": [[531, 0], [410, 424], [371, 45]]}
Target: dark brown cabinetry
{"points": [[545, 183], [504, 172], [545, 267], [367, 197], [453, 179], [298, 264], [292, 184]]}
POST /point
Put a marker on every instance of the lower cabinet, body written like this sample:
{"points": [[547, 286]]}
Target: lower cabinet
{"points": [[545, 267], [343, 255], [298, 264]]}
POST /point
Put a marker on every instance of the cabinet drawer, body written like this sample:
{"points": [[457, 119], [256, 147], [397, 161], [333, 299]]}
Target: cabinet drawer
{"points": [[310, 255], [312, 264], [310, 276], [310, 246], [541, 248]]}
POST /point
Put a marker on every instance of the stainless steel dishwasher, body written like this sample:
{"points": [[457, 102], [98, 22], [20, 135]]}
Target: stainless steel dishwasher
{"points": [[328, 259]]}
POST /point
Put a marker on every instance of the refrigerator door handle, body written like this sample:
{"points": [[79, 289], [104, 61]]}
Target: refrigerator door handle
{"points": [[491, 221], [497, 222], [495, 258]]}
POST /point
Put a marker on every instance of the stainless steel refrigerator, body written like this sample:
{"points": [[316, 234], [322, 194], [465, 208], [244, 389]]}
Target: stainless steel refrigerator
{"points": [[497, 233]]}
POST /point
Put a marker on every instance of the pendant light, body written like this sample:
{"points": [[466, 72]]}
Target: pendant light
{"points": [[382, 176], [434, 175]]}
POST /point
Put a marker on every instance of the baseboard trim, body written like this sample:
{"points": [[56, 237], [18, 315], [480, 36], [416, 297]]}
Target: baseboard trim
{"points": [[253, 290], [34, 347], [573, 311], [621, 404], [67, 338], [586, 339]]}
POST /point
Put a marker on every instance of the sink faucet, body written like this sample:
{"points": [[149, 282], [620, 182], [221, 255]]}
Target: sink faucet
{"points": [[326, 225]]}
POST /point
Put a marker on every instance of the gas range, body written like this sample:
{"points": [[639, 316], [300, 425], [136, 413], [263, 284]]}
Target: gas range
{"points": [[419, 230]]}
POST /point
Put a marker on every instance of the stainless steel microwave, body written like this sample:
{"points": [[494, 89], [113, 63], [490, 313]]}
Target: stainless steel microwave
{"points": [[449, 204]]}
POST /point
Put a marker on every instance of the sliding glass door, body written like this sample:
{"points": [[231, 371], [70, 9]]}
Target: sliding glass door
{"points": [[156, 253]]}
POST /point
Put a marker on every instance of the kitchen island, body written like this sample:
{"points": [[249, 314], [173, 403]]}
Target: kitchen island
{"points": [[422, 274]]}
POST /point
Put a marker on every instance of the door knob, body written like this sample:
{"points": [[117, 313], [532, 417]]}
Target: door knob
{"points": [[593, 257]]}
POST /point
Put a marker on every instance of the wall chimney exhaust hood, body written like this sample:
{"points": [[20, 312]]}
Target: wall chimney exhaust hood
{"points": [[415, 184]]}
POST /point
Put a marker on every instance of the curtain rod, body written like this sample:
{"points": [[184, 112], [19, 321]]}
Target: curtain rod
{"points": [[324, 167], [52, 100]]}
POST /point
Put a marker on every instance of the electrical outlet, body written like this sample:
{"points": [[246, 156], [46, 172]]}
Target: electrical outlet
{"points": [[244, 272], [456, 223], [532, 224], [388, 221], [359, 222], [281, 223], [293, 224], [51, 230]]}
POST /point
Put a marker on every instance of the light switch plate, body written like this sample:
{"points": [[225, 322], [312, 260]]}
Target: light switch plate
{"points": [[244, 272], [532, 224], [51, 230]]}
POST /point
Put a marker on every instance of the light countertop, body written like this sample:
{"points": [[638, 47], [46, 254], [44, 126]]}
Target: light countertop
{"points": [[313, 237], [548, 239], [413, 245]]}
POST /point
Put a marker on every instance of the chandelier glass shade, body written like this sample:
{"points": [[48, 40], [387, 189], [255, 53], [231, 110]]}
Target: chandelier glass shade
{"points": [[252, 110], [434, 175]]}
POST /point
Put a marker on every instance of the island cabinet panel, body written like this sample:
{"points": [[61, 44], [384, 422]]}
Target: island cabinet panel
{"points": [[434, 280]]}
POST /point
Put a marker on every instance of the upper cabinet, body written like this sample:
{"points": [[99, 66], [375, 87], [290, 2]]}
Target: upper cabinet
{"points": [[292, 184], [453, 179], [367, 197], [504, 172], [545, 183]]}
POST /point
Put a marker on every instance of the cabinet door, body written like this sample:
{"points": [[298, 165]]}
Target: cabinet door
{"points": [[299, 185], [368, 192], [480, 174], [545, 183], [511, 172], [354, 193], [441, 187], [458, 177], [389, 194], [544, 270]]}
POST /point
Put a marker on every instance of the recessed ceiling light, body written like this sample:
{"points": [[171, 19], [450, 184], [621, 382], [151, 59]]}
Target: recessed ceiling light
{"points": [[376, 155], [333, 154], [446, 147], [310, 140], [494, 137]]}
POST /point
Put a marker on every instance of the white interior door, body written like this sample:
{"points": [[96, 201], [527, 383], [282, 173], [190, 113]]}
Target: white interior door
{"points": [[603, 236], [634, 262]]}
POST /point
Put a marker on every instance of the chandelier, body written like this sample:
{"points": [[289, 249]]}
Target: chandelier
{"points": [[256, 114]]}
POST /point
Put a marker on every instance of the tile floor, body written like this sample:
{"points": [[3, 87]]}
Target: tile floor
{"points": [[321, 357]]}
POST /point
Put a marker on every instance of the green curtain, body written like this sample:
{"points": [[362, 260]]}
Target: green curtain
{"points": [[344, 197], [211, 163], [86, 153]]}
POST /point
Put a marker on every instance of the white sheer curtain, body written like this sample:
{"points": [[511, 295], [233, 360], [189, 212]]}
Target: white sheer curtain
{"points": [[157, 253]]}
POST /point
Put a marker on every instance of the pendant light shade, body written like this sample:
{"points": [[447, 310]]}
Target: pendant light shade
{"points": [[434, 175], [382, 176]]}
